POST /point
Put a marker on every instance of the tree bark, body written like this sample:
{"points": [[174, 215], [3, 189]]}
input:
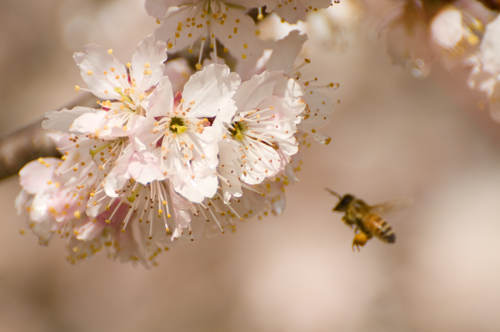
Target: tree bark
{"points": [[31, 142]]}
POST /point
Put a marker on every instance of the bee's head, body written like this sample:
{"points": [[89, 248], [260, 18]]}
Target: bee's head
{"points": [[344, 203]]}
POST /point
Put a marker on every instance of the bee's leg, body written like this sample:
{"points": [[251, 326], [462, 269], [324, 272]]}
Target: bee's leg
{"points": [[360, 239], [345, 222], [354, 244]]}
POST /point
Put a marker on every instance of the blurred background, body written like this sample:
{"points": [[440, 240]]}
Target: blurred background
{"points": [[392, 136]]}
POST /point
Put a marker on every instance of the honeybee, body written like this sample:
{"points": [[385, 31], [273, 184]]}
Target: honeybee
{"points": [[366, 218]]}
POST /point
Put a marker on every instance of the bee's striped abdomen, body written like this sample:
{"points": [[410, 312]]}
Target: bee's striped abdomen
{"points": [[382, 229]]}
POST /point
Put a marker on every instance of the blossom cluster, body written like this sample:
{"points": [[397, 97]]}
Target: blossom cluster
{"points": [[459, 33], [168, 156]]}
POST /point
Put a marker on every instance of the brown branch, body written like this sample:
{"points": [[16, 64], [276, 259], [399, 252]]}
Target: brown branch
{"points": [[32, 142]]}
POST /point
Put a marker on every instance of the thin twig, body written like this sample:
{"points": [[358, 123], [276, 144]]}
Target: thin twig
{"points": [[32, 142]]}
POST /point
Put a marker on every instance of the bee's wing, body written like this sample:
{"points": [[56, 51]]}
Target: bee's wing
{"points": [[394, 205]]}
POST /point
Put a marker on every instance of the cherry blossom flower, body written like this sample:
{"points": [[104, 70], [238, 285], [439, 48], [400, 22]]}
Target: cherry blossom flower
{"points": [[416, 34], [128, 85], [91, 235], [187, 144], [208, 21], [49, 203], [264, 125], [294, 10], [56, 203], [282, 58], [485, 75], [456, 32], [319, 106]]}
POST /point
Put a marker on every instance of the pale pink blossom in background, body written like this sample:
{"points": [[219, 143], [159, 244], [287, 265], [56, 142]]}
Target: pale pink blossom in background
{"points": [[485, 75]]}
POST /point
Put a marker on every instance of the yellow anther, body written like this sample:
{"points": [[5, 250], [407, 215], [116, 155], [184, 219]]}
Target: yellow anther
{"points": [[110, 51], [89, 72], [77, 88]]}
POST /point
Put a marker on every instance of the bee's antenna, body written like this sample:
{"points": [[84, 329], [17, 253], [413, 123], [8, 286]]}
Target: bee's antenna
{"points": [[333, 193]]}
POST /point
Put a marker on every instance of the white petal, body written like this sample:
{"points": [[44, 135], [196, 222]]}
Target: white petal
{"points": [[63, 119], [239, 35], [119, 175], [156, 8], [288, 13], [446, 27], [144, 168], [60, 140], [258, 88], [196, 190], [87, 123], [177, 40], [150, 56], [21, 200], [291, 91], [89, 230], [285, 52], [162, 99], [297, 11], [490, 47], [209, 89], [101, 71], [34, 176], [229, 169], [224, 117]]}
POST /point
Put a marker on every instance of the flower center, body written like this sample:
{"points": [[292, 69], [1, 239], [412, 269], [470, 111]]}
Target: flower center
{"points": [[177, 125], [238, 130]]}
